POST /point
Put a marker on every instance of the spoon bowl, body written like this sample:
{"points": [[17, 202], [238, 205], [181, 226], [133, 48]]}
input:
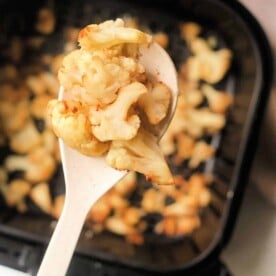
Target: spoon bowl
{"points": [[89, 178]]}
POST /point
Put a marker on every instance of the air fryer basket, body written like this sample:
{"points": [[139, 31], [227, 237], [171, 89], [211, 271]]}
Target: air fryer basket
{"points": [[249, 80]]}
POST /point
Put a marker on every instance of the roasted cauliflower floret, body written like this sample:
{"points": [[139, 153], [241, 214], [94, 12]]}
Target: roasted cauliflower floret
{"points": [[177, 125], [177, 225], [191, 92], [206, 120], [185, 147], [189, 30], [14, 116], [110, 33], [70, 122], [162, 39], [16, 191], [40, 194], [185, 206], [126, 185], [46, 21], [26, 139], [206, 64], [13, 93], [95, 79], [141, 154], [37, 166], [117, 202], [156, 103], [197, 188], [219, 101], [117, 225], [38, 106], [3, 176], [100, 210], [36, 84], [116, 122], [8, 73], [153, 201], [201, 153], [57, 206]]}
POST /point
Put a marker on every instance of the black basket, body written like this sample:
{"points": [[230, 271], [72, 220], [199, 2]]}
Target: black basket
{"points": [[249, 80]]}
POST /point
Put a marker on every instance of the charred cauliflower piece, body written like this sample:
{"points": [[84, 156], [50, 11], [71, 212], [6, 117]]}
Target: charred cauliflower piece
{"points": [[141, 154], [115, 122], [70, 123]]}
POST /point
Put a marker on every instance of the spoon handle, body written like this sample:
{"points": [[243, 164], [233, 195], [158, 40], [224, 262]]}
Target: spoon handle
{"points": [[64, 239]]}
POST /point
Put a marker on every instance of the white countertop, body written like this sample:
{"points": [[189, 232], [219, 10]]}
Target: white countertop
{"points": [[252, 249]]}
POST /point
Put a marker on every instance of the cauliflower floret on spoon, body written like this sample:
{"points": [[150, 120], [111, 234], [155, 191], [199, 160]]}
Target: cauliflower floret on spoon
{"points": [[94, 78], [110, 33], [70, 122], [156, 103], [115, 122], [107, 101], [141, 154]]}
